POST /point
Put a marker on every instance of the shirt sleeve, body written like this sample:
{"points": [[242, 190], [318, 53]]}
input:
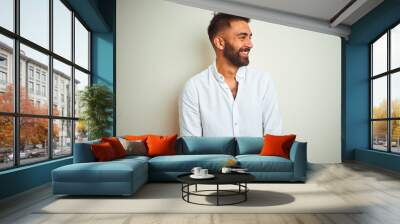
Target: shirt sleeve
{"points": [[189, 112], [271, 116]]}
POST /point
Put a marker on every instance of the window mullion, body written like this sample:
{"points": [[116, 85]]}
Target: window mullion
{"points": [[389, 105], [50, 81], [89, 54], [370, 98], [73, 82], [16, 84]]}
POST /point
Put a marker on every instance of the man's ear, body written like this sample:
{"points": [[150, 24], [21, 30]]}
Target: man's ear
{"points": [[219, 42]]}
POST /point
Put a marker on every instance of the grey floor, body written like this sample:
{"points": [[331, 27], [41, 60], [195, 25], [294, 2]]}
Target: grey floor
{"points": [[353, 182]]}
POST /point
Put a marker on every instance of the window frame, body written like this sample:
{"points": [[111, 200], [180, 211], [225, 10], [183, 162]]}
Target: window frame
{"points": [[388, 74], [16, 114]]}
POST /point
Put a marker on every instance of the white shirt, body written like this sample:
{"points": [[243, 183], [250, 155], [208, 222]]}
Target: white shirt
{"points": [[207, 106]]}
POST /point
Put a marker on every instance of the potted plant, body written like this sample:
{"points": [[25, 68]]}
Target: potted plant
{"points": [[96, 102]]}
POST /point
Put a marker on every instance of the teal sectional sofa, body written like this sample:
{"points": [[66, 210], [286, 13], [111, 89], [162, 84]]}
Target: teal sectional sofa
{"points": [[125, 176]]}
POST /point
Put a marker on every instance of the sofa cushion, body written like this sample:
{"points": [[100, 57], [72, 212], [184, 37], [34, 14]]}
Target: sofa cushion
{"points": [[136, 137], [161, 145], [134, 147], [185, 163], [257, 163], [116, 145], [103, 152], [249, 145], [275, 145], [207, 145]]}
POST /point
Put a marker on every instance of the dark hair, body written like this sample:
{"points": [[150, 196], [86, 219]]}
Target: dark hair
{"points": [[222, 21]]}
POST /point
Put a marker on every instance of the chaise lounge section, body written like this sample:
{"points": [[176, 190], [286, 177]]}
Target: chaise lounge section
{"points": [[88, 177]]}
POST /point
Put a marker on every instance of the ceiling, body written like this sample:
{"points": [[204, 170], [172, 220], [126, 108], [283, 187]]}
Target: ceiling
{"points": [[318, 9], [325, 16]]}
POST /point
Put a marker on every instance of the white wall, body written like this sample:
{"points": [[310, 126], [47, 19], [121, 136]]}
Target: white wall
{"points": [[161, 44]]}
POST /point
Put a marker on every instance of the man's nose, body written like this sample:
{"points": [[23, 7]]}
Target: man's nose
{"points": [[249, 44]]}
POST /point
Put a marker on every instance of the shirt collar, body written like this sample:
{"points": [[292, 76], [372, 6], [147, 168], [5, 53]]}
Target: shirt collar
{"points": [[240, 74]]}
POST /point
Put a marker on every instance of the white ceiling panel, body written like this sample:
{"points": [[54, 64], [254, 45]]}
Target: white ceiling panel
{"points": [[326, 16], [320, 9]]}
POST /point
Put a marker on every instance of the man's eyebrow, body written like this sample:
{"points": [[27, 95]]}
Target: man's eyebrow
{"points": [[244, 34]]}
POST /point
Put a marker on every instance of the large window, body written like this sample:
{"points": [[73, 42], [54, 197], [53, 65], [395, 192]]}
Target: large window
{"points": [[44, 65], [385, 91]]}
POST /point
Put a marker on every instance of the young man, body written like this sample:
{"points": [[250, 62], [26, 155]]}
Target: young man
{"points": [[228, 98]]}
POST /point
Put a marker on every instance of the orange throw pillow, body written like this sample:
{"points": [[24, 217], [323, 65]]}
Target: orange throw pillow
{"points": [[103, 152], [136, 137], [116, 145], [161, 145], [277, 145]]}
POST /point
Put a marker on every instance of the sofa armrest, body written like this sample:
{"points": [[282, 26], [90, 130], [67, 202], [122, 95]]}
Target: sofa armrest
{"points": [[298, 155], [83, 152]]}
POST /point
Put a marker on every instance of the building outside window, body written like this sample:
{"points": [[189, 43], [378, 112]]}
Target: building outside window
{"points": [[37, 75], [44, 77], [55, 96], [30, 72], [43, 90], [30, 87], [3, 78], [3, 72], [38, 89], [3, 61], [3, 81]]}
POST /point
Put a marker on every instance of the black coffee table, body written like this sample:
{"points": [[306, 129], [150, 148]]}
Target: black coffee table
{"points": [[239, 179]]}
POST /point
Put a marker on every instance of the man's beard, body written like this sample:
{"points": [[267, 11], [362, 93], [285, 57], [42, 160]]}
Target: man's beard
{"points": [[234, 57]]}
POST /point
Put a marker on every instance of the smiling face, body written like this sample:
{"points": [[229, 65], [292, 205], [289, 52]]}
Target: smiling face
{"points": [[235, 43]]}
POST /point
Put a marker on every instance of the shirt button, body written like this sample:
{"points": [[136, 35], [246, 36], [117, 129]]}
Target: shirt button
{"points": [[235, 123]]}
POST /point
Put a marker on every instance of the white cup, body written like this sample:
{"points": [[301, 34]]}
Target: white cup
{"points": [[203, 172], [226, 170], [196, 171]]}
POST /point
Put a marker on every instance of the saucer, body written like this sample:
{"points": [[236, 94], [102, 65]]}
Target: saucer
{"points": [[208, 176]]}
